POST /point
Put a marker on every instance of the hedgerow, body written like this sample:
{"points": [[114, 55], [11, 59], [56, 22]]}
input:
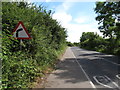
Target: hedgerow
{"points": [[22, 62]]}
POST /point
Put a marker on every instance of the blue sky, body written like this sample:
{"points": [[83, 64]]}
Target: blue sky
{"points": [[76, 17]]}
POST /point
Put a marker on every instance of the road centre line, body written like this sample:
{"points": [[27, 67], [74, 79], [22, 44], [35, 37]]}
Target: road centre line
{"points": [[84, 71]]}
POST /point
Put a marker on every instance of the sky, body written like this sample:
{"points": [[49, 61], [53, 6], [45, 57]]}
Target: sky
{"points": [[76, 17]]}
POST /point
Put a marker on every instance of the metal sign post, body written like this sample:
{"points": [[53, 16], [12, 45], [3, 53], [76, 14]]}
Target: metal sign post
{"points": [[21, 44]]}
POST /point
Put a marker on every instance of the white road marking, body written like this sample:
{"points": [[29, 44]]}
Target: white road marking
{"points": [[84, 72], [100, 82], [104, 84], [118, 76], [112, 81], [104, 75]]}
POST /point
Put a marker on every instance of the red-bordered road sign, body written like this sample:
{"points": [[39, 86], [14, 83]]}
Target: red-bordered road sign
{"points": [[20, 32]]}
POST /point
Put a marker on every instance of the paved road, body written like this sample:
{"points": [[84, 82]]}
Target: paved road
{"points": [[102, 69], [81, 68]]}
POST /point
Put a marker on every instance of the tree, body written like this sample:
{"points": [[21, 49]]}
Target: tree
{"points": [[92, 41], [108, 15], [87, 40], [69, 44]]}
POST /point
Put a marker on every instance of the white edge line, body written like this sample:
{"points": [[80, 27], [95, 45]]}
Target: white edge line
{"points": [[112, 81], [84, 71], [118, 76], [101, 83]]}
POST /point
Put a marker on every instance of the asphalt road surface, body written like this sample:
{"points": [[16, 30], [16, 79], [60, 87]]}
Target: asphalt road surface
{"points": [[81, 68]]}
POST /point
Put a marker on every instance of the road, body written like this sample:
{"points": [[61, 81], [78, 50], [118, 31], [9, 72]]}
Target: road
{"points": [[81, 68]]}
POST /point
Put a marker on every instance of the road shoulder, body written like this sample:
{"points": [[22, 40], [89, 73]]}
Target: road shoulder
{"points": [[68, 74]]}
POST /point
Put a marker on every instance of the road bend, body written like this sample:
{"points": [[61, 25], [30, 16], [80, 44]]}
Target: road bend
{"points": [[102, 69], [81, 68]]}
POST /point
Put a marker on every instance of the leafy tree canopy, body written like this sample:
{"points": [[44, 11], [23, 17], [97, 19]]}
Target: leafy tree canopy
{"points": [[109, 18]]}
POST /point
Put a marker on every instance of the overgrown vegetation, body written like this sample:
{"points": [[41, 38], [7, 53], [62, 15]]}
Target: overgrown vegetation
{"points": [[109, 21], [72, 44], [20, 66], [92, 41]]}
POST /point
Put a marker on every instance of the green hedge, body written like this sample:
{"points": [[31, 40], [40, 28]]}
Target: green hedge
{"points": [[20, 66], [92, 41]]}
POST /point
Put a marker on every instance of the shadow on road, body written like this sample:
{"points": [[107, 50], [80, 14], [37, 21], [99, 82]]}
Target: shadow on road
{"points": [[112, 58], [70, 71]]}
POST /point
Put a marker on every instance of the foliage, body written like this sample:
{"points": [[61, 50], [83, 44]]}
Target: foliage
{"points": [[108, 16], [92, 41], [69, 44], [72, 44], [109, 21], [76, 44], [21, 65]]}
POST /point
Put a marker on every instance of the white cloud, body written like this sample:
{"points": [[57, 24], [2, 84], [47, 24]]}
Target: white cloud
{"points": [[80, 19], [61, 13], [62, 17], [48, 0], [65, 6], [74, 30]]}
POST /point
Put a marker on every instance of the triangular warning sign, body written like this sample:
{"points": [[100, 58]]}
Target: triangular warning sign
{"points": [[20, 32]]}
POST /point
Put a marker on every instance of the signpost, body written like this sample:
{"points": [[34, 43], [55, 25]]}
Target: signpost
{"points": [[20, 32]]}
